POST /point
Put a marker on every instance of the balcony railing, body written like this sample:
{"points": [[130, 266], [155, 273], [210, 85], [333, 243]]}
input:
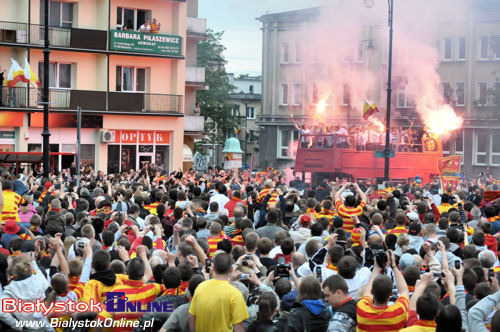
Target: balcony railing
{"points": [[15, 32], [91, 100]]}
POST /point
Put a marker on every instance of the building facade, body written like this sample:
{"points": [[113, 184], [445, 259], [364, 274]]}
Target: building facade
{"points": [[130, 85], [195, 80], [468, 68], [246, 106]]}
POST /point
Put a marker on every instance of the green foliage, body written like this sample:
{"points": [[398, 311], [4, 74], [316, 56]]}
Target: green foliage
{"points": [[213, 101]]}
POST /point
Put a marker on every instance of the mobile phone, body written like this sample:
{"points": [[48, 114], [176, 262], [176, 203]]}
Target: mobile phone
{"points": [[208, 264], [457, 265], [244, 276], [318, 273], [491, 274]]}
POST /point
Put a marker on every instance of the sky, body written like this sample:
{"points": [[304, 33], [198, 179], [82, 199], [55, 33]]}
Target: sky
{"points": [[242, 31]]}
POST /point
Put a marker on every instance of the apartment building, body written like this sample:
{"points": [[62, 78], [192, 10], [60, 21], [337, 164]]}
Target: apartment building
{"points": [[245, 103], [468, 68], [130, 85], [194, 123]]}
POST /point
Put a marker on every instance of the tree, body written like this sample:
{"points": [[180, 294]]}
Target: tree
{"points": [[213, 101]]}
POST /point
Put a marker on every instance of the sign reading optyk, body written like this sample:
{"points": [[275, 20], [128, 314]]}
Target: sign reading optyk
{"points": [[132, 41]]}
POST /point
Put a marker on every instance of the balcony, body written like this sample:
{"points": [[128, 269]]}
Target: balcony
{"points": [[17, 33], [196, 27], [195, 77], [194, 123], [129, 41], [94, 101]]}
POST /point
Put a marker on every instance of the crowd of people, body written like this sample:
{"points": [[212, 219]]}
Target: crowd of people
{"points": [[227, 252], [369, 137]]}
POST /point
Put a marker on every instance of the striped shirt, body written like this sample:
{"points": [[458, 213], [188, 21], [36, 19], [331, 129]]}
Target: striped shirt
{"points": [[263, 193], [398, 230], [327, 214], [152, 208], [137, 292], [76, 286], [346, 214], [11, 202], [212, 243], [387, 318]]}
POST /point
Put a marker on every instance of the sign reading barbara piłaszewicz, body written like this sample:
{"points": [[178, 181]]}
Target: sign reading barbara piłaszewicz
{"points": [[132, 41]]}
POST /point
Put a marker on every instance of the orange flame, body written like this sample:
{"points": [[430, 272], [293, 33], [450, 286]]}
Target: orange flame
{"points": [[443, 120], [377, 123]]}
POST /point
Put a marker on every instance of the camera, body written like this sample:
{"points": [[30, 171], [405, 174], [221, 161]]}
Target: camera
{"points": [[380, 257], [457, 265], [282, 270], [244, 276], [208, 264]]}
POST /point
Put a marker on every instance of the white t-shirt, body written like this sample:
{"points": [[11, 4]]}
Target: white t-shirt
{"points": [[362, 276], [145, 28]]}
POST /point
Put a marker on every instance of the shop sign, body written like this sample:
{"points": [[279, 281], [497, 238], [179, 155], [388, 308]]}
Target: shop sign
{"points": [[142, 137], [200, 162], [7, 134], [133, 41]]}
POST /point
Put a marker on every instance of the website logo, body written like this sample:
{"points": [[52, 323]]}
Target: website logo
{"points": [[119, 302]]}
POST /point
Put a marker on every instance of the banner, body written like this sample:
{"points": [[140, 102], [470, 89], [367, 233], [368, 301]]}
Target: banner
{"points": [[447, 181], [491, 195], [450, 164], [132, 41], [233, 160]]}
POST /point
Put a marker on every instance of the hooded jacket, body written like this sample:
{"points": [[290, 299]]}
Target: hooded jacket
{"points": [[28, 289], [54, 222], [310, 316]]}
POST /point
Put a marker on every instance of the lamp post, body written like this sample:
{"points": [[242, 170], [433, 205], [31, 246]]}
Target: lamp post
{"points": [[387, 150], [46, 132]]}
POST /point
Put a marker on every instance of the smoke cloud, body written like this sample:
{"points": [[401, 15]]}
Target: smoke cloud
{"points": [[350, 43]]}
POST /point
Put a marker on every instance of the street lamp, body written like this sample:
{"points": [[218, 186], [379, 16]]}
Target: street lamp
{"points": [[46, 132], [387, 150]]}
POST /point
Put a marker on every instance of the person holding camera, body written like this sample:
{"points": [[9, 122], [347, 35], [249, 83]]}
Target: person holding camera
{"points": [[373, 311]]}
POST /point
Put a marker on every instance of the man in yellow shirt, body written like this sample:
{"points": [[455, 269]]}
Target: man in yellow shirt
{"points": [[217, 305], [11, 203], [445, 203]]}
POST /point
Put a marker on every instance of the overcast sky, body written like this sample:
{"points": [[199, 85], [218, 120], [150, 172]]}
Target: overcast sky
{"points": [[242, 34]]}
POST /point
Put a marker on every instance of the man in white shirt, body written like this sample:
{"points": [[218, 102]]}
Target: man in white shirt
{"points": [[220, 197], [146, 27]]}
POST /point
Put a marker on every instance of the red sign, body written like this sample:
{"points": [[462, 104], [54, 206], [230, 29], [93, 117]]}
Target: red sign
{"points": [[11, 119], [450, 164], [142, 137]]}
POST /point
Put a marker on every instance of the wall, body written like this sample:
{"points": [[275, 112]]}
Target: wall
{"points": [[173, 124]]}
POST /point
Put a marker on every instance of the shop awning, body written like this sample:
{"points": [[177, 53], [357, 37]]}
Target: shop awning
{"points": [[187, 154], [27, 157]]}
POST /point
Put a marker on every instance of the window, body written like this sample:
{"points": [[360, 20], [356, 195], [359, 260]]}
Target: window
{"points": [[59, 74], [131, 18], [130, 79], [489, 47], [314, 97], [346, 95], [480, 143], [60, 14], [285, 53], [402, 102], [495, 149], [284, 94], [287, 140], [298, 54], [460, 93], [446, 92], [296, 94], [251, 113], [483, 47], [235, 111], [482, 89], [461, 50], [250, 89], [447, 48], [496, 93], [361, 53]]}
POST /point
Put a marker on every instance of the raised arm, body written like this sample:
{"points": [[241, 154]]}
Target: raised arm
{"points": [[360, 192], [400, 281]]}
